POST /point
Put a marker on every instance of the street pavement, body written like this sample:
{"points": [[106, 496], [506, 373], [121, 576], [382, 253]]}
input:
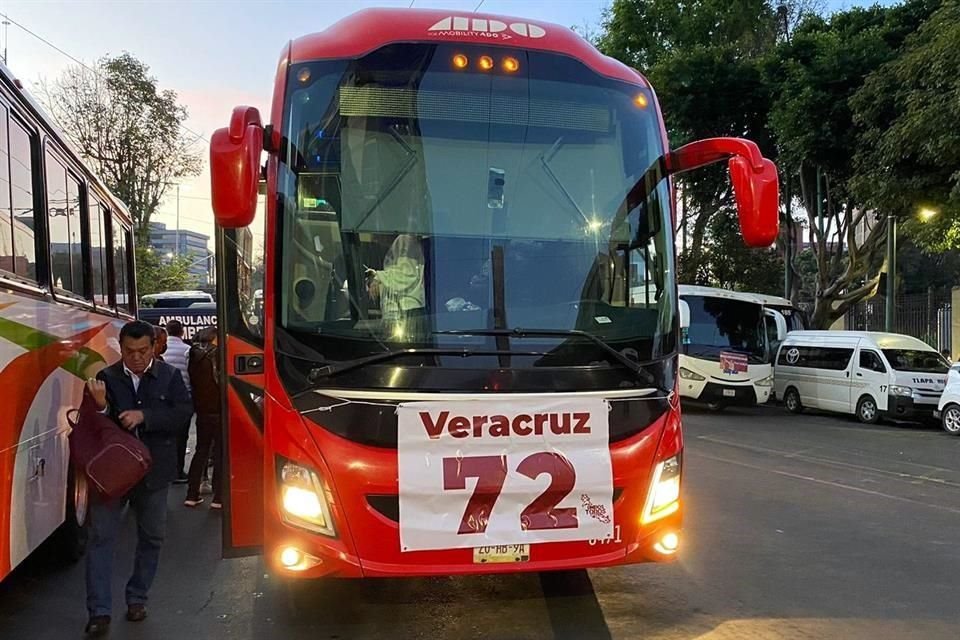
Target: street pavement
{"points": [[808, 526]]}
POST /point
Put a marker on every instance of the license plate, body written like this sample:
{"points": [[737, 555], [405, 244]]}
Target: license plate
{"points": [[501, 553], [730, 393]]}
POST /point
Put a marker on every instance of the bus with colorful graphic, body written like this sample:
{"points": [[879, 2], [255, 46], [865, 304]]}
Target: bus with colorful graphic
{"points": [[66, 272], [728, 342], [467, 359]]}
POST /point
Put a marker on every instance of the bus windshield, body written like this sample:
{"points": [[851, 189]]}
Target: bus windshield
{"points": [[721, 324], [428, 191]]}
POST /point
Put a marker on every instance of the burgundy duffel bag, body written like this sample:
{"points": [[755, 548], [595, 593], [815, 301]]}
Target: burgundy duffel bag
{"points": [[113, 458]]}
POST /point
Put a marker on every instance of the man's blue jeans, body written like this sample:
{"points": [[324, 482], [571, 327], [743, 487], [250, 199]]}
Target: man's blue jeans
{"points": [[150, 508]]}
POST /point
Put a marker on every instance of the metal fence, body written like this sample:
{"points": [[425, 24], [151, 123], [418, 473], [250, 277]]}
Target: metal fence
{"points": [[926, 316]]}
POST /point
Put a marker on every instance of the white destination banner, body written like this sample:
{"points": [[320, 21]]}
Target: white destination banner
{"points": [[504, 471]]}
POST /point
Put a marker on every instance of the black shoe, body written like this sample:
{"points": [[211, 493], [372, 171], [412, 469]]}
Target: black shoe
{"points": [[97, 626], [181, 479], [136, 613]]}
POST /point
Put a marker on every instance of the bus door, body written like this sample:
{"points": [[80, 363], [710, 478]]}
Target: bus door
{"points": [[241, 385]]}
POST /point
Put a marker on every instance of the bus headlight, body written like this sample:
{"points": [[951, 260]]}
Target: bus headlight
{"points": [[303, 501], [896, 390], [766, 382], [664, 495], [686, 374]]}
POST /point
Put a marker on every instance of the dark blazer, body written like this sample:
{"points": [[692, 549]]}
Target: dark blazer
{"points": [[167, 409]]}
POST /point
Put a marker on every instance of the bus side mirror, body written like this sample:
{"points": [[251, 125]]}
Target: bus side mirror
{"points": [[684, 315], [758, 201], [755, 182], [235, 168], [780, 321]]}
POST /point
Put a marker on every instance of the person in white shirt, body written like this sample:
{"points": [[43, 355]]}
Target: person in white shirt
{"points": [[176, 356]]}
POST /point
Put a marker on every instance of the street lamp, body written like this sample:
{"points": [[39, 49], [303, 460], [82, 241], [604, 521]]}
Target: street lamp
{"points": [[925, 214]]}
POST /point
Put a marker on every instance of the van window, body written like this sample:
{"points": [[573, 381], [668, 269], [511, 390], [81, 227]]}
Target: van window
{"points": [[916, 360], [870, 360], [832, 358]]}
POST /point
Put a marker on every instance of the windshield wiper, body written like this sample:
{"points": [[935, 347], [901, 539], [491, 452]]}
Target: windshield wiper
{"points": [[334, 368], [636, 367]]}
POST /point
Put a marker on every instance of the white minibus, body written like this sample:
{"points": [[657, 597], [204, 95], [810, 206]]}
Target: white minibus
{"points": [[868, 374]]}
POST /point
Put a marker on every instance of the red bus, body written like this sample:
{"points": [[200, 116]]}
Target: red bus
{"points": [[66, 288], [466, 360]]}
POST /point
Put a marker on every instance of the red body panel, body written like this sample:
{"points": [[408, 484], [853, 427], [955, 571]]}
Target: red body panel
{"points": [[368, 542]]}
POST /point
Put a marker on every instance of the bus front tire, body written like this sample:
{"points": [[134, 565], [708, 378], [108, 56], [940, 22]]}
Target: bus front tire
{"points": [[867, 411], [791, 400]]}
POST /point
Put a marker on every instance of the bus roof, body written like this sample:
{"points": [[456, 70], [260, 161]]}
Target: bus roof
{"points": [[773, 301], [713, 292], [370, 29], [52, 129], [880, 339]]}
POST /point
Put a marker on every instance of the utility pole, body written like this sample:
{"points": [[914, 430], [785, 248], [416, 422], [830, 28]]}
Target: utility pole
{"points": [[891, 271], [178, 221], [6, 32], [788, 244]]}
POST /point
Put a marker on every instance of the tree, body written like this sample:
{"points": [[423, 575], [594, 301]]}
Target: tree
{"points": [[703, 59], [155, 274], [814, 78], [127, 128], [910, 152]]}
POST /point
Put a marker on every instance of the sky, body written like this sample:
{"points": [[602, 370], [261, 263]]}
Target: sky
{"points": [[215, 55]]}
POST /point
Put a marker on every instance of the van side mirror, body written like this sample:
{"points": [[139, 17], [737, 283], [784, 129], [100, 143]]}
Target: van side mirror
{"points": [[235, 168], [755, 182]]}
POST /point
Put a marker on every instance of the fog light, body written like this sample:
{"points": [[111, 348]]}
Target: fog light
{"points": [[293, 559], [290, 557], [668, 543]]}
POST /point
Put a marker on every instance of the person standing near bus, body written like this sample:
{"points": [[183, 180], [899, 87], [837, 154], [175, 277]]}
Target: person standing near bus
{"points": [[148, 398], [160, 346], [176, 356], [205, 376]]}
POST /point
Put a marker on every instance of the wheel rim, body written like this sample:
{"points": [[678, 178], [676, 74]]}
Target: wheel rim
{"points": [[80, 499], [951, 420], [791, 401], [868, 410]]}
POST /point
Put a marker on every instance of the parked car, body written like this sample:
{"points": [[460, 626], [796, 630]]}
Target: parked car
{"points": [[868, 374], [948, 410]]}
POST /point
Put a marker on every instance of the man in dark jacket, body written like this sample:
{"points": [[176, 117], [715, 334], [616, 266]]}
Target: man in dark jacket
{"points": [[148, 398], [205, 380]]}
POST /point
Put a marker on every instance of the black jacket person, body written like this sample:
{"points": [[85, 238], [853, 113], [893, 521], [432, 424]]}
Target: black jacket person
{"points": [[148, 398]]}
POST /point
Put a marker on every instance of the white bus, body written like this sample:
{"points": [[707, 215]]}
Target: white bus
{"points": [[726, 352]]}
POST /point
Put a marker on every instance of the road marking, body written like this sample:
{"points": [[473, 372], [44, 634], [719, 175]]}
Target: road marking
{"points": [[799, 455], [830, 483]]}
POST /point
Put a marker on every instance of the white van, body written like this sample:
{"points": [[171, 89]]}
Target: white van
{"points": [[864, 373]]}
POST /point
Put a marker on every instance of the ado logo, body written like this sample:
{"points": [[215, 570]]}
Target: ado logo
{"points": [[482, 27]]}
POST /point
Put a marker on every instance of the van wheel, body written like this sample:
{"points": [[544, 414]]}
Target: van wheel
{"points": [[716, 406], [791, 400], [951, 419], [867, 411], [69, 542]]}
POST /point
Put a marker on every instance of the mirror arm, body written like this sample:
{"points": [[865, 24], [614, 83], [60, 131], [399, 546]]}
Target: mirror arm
{"points": [[703, 152]]}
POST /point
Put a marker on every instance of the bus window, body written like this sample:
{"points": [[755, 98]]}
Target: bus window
{"points": [[74, 215], [6, 220], [98, 253], [121, 261], [21, 186]]}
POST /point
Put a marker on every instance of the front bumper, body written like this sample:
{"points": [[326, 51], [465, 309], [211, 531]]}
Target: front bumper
{"points": [[733, 395], [905, 408]]}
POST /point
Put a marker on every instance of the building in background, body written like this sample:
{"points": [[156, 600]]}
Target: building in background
{"points": [[193, 246]]}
